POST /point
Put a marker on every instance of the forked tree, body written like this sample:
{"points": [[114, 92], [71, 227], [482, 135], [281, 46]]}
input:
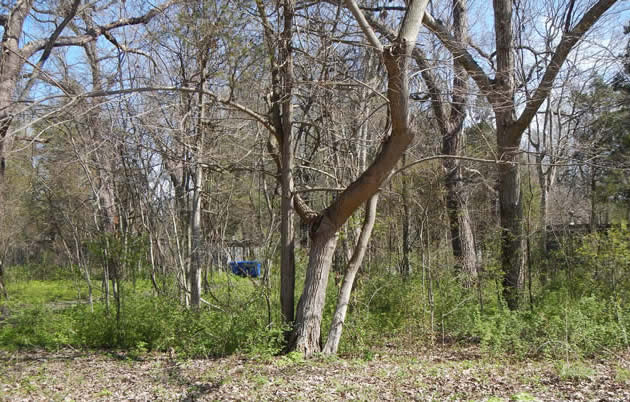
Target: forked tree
{"points": [[325, 225]]}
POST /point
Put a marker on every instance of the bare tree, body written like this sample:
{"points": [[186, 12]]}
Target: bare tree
{"points": [[16, 54], [500, 92], [281, 116]]}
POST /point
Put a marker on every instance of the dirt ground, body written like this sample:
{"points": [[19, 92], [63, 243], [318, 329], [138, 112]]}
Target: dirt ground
{"points": [[433, 374]]}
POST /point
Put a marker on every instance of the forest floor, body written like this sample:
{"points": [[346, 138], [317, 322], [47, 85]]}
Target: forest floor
{"points": [[447, 373]]}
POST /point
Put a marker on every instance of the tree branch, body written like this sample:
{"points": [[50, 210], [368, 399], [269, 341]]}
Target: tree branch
{"points": [[412, 22], [461, 56], [92, 34], [365, 26], [560, 55], [427, 75]]}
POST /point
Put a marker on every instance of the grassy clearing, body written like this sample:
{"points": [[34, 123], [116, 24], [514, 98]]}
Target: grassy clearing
{"points": [[37, 292]]}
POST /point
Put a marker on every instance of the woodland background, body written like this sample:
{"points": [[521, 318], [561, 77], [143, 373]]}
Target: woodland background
{"points": [[409, 172]]}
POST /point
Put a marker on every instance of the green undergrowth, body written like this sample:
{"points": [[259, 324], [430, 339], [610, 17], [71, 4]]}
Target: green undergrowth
{"points": [[382, 312], [581, 310], [237, 321], [557, 325]]}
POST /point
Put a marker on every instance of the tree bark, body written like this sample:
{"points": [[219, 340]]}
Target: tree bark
{"points": [[336, 328], [306, 335], [287, 231], [511, 211], [194, 272]]}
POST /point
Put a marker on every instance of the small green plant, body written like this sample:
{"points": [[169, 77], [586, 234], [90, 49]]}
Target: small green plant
{"points": [[260, 380], [103, 393], [622, 375], [574, 371], [368, 355], [290, 359]]}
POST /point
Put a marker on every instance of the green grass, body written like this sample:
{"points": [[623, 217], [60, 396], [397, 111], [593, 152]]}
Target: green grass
{"points": [[41, 292], [622, 375], [41, 314], [574, 371]]}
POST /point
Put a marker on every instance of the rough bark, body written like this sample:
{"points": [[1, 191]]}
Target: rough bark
{"points": [[306, 335], [287, 232], [508, 142], [336, 327], [511, 212]]}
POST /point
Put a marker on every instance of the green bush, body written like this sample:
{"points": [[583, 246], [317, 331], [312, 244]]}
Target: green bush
{"points": [[558, 327], [37, 326]]}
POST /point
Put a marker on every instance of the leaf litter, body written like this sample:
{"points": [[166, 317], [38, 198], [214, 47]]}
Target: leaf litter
{"points": [[447, 373]]}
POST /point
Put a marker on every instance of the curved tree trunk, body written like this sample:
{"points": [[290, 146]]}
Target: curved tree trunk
{"points": [[336, 328], [305, 337]]}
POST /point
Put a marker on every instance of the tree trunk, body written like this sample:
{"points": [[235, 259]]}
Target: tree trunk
{"points": [[406, 268], [306, 336], [287, 253], [543, 219], [511, 210], [334, 334], [3, 289], [194, 272], [461, 234], [593, 221], [499, 91], [11, 63], [469, 251], [282, 120]]}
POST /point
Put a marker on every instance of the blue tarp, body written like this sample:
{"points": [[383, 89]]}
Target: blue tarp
{"points": [[246, 268]]}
